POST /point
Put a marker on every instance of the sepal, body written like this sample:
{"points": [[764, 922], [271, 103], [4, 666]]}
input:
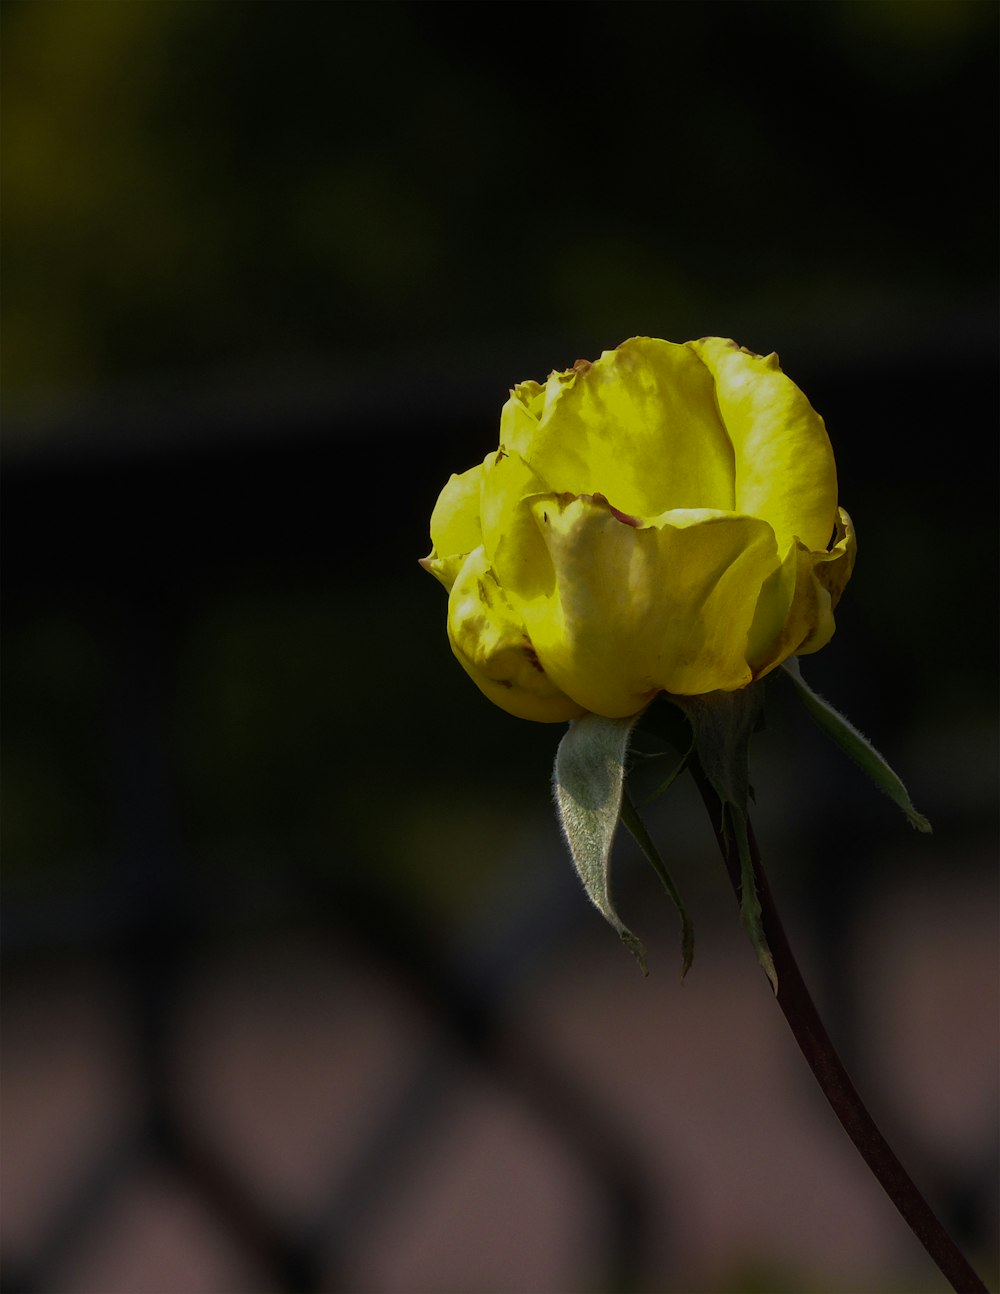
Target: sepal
{"points": [[637, 829], [588, 782], [857, 746], [722, 724]]}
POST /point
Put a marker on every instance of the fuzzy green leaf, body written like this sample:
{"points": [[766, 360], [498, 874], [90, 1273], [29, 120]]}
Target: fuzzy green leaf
{"points": [[587, 781], [723, 724], [857, 746], [644, 840], [750, 906]]}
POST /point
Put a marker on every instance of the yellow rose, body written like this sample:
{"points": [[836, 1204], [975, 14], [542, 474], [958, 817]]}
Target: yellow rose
{"points": [[664, 519]]}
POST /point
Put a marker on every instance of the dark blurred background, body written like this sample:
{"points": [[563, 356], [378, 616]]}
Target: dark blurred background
{"points": [[300, 992]]}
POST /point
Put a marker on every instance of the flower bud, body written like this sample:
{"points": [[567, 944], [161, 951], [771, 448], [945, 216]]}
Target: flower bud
{"points": [[663, 519]]}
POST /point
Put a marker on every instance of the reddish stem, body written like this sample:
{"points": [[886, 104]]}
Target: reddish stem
{"points": [[814, 1043]]}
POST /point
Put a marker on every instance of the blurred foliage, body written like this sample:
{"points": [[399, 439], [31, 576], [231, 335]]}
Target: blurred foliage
{"points": [[267, 190], [191, 187], [57, 810], [289, 728]]}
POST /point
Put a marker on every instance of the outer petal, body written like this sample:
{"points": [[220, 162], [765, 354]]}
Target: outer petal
{"points": [[640, 425], [455, 525], [491, 645], [795, 612], [785, 470], [831, 572], [636, 608], [510, 536]]}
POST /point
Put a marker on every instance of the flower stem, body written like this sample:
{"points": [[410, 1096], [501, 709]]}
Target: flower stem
{"points": [[800, 1011]]}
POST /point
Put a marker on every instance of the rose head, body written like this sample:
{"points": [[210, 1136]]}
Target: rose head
{"points": [[664, 519]]}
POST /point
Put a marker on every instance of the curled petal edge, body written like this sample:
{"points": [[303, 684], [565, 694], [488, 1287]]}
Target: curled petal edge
{"points": [[491, 645], [456, 529], [795, 610], [638, 606]]}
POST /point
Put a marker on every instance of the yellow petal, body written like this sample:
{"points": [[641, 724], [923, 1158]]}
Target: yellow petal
{"points": [[785, 470], [640, 426], [510, 536], [656, 520], [795, 612], [455, 525], [493, 648], [831, 571], [637, 607]]}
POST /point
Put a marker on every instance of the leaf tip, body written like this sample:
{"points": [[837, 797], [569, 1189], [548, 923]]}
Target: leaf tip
{"points": [[687, 953], [636, 948]]}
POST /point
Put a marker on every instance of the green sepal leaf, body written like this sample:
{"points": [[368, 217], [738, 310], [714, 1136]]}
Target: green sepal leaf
{"points": [[723, 724], [588, 782], [857, 746], [750, 908], [671, 777], [642, 838]]}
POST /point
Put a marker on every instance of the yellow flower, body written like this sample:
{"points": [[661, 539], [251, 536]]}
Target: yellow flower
{"points": [[663, 519]]}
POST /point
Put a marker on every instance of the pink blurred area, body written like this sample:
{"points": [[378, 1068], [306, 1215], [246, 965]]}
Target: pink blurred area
{"points": [[289, 1052]]}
